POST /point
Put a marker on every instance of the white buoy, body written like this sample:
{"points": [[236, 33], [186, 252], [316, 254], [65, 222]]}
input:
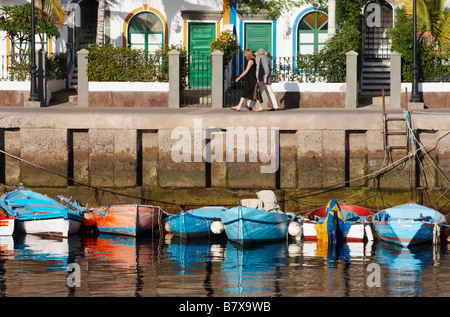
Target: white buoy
{"points": [[295, 229], [217, 227]]}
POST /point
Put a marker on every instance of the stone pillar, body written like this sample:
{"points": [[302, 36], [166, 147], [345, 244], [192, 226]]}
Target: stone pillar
{"points": [[83, 81], [217, 79], [351, 96], [174, 79], [331, 18], [396, 79]]}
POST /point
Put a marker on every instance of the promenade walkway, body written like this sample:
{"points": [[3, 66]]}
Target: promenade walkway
{"points": [[63, 112]]}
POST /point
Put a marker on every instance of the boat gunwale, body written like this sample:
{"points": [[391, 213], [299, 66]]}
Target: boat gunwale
{"points": [[352, 208], [255, 221]]}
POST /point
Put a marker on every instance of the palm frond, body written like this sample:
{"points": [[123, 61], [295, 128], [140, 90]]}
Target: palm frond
{"points": [[53, 10], [433, 20]]}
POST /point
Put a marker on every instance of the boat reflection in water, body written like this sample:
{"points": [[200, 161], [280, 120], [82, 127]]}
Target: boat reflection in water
{"points": [[402, 268], [122, 251], [253, 270], [345, 251], [114, 265], [6, 247], [46, 248], [187, 254]]}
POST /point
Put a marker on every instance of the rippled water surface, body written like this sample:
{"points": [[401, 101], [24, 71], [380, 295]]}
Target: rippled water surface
{"points": [[152, 266]]}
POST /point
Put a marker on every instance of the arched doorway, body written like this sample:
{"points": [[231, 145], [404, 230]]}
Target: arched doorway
{"points": [[85, 32], [312, 33], [146, 32], [378, 17]]}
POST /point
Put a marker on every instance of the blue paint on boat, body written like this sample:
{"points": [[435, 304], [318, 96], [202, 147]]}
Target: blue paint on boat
{"points": [[246, 225], [27, 206], [408, 224], [195, 223]]}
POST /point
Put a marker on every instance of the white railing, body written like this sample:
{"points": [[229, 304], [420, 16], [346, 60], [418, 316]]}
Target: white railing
{"points": [[7, 66], [4, 67]]}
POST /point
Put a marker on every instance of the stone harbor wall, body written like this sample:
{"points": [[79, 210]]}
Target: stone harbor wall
{"points": [[184, 155]]}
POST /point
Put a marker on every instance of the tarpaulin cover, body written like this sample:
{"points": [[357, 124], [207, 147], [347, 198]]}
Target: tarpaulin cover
{"points": [[334, 229]]}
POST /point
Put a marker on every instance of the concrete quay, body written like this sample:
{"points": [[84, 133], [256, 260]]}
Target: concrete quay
{"points": [[157, 154]]}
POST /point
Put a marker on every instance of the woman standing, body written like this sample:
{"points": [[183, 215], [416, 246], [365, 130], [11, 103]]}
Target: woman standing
{"points": [[251, 89]]}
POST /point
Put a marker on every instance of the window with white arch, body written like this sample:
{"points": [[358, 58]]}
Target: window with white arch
{"points": [[146, 32], [312, 33]]}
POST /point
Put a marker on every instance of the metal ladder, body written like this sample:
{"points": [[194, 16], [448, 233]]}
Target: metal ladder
{"points": [[387, 132]]}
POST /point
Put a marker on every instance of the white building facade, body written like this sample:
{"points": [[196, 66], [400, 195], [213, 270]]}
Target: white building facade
{"points": [[149, 24]]}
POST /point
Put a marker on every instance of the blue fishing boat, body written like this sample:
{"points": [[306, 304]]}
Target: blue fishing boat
{"points": [[409, 224], [39, 214], [196, 223], [256, 220]]}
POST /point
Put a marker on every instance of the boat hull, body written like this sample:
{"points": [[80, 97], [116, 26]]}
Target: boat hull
{"points": [[409, 224], [130, 220], [39, 214], [404, 232], [195, 223], [55, 227], [7, 225], [246, 225], [359, 230]]}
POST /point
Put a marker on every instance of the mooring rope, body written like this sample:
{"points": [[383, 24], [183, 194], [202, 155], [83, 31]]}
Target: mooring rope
{"points": [[413, 140], [374, 174], [84, 184], [310, 193]]}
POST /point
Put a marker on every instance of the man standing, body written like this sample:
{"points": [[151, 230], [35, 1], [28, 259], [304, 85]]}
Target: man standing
{"points": [[265, 79]]}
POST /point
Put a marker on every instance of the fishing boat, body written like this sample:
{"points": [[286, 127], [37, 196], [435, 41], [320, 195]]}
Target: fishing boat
{"points": [[130, 220], [196, 223], [409, 224], [256, 220], [39, 214], [358, 220]]}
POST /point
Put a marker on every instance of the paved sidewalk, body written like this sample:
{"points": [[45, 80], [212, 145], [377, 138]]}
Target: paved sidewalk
{"points": [[65, 102]]}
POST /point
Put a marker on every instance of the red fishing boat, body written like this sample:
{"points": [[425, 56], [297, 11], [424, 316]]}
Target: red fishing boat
{"points": [[130, 220], [359, 217]]}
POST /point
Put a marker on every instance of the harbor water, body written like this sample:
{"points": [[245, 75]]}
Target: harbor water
{"points": [[164, 266]]}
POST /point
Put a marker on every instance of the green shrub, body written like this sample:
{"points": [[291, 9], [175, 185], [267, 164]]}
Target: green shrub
{"points": [[20, 69], [164, 74], [433, 62], [114, 63], [57, 66], [347, 38]]}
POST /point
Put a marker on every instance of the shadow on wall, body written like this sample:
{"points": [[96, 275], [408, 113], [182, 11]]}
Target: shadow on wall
{"points": [[311, 95], [291, 97]]}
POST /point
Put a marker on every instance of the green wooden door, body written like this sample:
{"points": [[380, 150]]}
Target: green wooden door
{"points": [[258, 35], [200, 36]]}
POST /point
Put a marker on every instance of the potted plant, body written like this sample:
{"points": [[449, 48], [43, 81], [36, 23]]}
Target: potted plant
{"points": [[226, 43]]}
